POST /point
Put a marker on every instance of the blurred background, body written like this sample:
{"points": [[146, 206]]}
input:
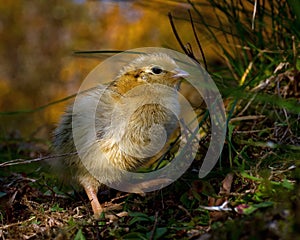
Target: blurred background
{"points": [[252, 51], [37, 43]]}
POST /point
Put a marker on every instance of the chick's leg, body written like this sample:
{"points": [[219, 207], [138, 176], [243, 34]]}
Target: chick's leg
{"points": [[91, 192]]}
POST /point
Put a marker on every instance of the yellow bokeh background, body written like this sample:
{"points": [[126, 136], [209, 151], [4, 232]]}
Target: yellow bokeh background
{"points": [[38, 39]]}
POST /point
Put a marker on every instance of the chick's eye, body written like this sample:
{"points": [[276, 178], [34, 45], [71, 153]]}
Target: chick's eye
{"points": [[156, 70]]}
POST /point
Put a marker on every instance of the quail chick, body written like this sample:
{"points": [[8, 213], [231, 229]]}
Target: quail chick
{"points": [[124, 129]]}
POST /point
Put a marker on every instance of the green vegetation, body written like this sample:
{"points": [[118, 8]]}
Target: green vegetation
{"points": [[258, 172]]}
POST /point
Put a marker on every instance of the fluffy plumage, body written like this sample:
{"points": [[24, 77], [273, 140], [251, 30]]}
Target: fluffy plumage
{"points": [[120, 125]]}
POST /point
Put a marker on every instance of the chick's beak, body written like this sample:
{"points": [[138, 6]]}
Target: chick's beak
{"points": [[179, 73]]}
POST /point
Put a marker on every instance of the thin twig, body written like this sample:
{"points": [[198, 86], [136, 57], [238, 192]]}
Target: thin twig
{"points": [[18, 223], [246, 118], [154, 226], [26, 161], [220, 208], [185, 210]]}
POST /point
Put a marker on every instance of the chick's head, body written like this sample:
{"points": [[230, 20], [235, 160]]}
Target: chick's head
{"points": [[148, 69]]}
